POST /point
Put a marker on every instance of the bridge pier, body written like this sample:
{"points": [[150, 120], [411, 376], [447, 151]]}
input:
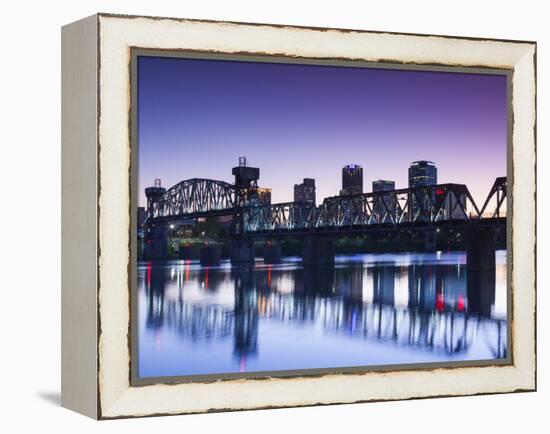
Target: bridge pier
{"points": [[318, 250], [316, 279], [242, 251], [430, 240], [156, 243], [210, 255], [185, 252], [480, 271], [272, 253]]}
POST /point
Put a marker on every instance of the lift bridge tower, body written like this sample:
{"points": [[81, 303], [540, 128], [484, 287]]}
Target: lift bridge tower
{"points": [[155, 235], [246, 183], [153, 195]]}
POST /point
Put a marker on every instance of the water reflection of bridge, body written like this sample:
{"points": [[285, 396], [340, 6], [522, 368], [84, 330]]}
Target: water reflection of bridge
{"points": [[434, 312]]}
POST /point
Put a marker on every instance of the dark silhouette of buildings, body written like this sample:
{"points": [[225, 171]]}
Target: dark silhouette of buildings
{"points": [[352, 179], [305, 192]]}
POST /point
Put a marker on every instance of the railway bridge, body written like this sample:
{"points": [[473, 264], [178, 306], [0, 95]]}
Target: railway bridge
{"points": [[427, 210]]}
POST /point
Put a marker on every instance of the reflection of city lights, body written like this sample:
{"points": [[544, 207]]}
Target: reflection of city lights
{"points": [[460, 303], [440, 302], [207, 305]]}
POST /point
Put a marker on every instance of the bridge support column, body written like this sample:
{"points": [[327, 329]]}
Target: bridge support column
{"points": [[185, 252], [318, 250], [430, 240], [210, 255], [156, 243], [480, 271], [272, 253], [242, 251]]}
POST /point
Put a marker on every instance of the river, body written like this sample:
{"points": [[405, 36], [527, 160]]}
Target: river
{"points": [[366, 310]]}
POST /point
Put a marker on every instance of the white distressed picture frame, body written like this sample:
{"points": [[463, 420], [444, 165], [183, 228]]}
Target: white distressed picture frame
{"points": [[96, 216]]}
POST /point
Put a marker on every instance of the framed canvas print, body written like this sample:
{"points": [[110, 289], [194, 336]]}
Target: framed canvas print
{"points": [[260, 216]]}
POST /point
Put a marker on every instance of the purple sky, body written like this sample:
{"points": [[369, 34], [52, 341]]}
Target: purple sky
{"points": [[195, 117]]}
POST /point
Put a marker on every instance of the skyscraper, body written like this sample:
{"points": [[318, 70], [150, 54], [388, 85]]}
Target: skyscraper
{"points": [[141, 217], [259, 196], [382, 185], [422, 173], [352, 179], [305, 192], [384, 205]]}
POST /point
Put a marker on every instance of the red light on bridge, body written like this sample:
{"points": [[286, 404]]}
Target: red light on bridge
{"points": [[439, 191]]}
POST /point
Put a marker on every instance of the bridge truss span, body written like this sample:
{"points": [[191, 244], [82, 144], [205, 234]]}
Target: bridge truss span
{"points": [[419, 206], [194, 198]]}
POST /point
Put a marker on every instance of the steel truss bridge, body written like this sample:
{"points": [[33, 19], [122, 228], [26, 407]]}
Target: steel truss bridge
{"points": [[418, 207], [195, 198]]}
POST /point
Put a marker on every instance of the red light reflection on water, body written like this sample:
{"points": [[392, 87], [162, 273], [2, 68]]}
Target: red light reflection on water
{"points": [[149, 273], [460, 304], [440, 302]]}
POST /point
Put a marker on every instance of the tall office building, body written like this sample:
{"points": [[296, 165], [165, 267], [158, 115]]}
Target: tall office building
{"points": [[382, 185], [352, 179], [259, 196], [384, 206], [422, 173], [305, 192], [141, 217]]}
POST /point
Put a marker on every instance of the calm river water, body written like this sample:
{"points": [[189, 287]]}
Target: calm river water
{"points": [[366, 310]]}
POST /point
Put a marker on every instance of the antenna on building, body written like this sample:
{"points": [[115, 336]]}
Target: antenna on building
{"points": [[157, 182], [242, 161]]}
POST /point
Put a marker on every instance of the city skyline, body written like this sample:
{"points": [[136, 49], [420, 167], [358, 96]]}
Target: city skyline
{"points": [[287, 118]]}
